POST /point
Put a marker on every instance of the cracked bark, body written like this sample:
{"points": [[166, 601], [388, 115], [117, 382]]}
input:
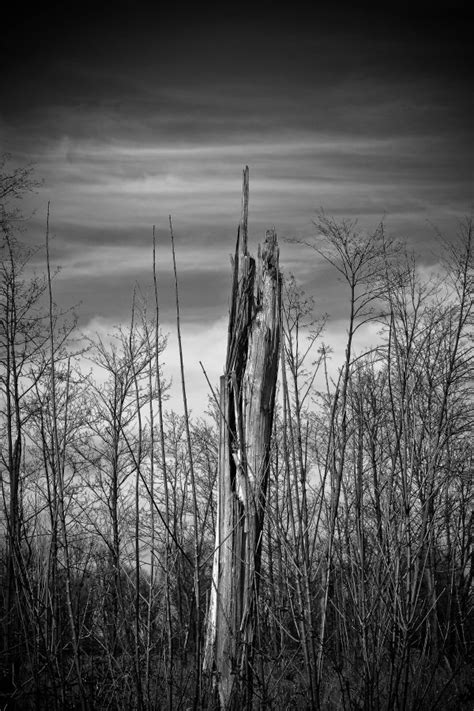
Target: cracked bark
{"points": [[247, 397]]}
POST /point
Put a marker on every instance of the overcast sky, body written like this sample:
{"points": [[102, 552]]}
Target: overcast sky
{"points": [[135, 115]]}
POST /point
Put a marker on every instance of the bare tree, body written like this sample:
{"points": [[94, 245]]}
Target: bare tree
{"points": [[22, 336], [247, 402]]}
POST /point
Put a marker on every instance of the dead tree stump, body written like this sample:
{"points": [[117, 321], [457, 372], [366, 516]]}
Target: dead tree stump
{"points": [[247, 398]]}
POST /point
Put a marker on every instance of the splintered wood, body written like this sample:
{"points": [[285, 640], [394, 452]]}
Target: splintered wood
{"points": [[247, 397]]}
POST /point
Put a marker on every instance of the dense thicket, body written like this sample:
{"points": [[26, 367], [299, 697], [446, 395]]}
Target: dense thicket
{"points": [[365, 596]]}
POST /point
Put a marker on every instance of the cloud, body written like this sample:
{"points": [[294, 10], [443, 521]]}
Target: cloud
{"points": [[133, 185], [360, 116]]}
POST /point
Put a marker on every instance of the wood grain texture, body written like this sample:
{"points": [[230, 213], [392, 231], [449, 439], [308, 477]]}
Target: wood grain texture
{"points": [[247, 402]]}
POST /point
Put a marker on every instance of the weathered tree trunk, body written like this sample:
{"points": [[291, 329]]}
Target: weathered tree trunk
{"points": [[247, 396]]}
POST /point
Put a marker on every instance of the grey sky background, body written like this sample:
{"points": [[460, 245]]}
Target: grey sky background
{"points": [[131, 115]]}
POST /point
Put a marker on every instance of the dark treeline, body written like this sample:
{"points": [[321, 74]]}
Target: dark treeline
{"points": [[108, 510]]}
